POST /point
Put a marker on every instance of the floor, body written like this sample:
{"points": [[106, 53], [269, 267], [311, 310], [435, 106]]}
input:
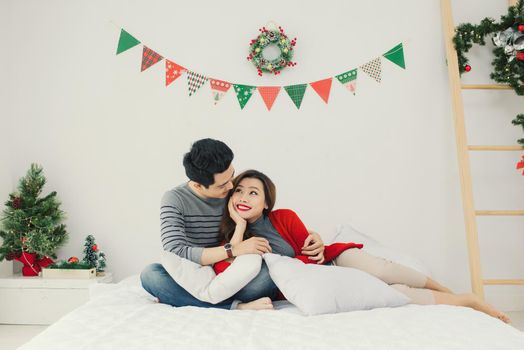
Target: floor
{"points": [[13, 336]]}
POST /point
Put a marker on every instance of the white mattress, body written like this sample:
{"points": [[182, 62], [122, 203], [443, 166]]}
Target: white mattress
{"points": [[124, 316]]}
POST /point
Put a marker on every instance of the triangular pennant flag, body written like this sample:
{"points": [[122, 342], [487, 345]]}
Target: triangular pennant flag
{"points": [[149, 58], [269, 95], [126, 41], [296, 92], [349, 80], [244, 93], [195, 81], [396, 55], [373, 69], [323, 88], [218, 89], [173, 71]]}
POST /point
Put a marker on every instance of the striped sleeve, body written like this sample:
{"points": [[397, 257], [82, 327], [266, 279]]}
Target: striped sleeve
{"points": [[172, 229]]}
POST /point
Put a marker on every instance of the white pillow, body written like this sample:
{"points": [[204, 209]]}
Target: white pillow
{"points": [[347, 233], [202, 282], [321, 289]]}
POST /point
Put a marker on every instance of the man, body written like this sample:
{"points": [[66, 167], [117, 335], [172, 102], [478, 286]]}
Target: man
{"points": [[190, 216]]}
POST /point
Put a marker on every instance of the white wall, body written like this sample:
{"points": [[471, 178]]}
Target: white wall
{"points": [[111, 139]]}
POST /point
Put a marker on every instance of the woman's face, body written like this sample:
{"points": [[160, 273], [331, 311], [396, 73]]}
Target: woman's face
{"points": [[249, 199]]}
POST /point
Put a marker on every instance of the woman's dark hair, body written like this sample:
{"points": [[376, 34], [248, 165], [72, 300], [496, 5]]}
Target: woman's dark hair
{"points": [[227, 225], [206, 158]]}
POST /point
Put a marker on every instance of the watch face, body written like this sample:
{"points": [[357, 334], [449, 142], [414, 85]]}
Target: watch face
{"points": [[227, 245]]}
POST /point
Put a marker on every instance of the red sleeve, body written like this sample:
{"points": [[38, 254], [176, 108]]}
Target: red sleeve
{"points": [[290, 227]]}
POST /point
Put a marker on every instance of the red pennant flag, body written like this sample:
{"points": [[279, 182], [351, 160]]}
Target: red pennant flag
{"points": [[218, 88], [173, 71], [269, 95], [149, 58], [323, 88]]}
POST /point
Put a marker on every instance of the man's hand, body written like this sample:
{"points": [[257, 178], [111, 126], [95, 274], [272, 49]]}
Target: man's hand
{"points": [[254, 245], [314, 247]]}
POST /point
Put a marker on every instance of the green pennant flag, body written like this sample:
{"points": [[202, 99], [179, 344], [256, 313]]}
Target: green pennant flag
{"points": [[296, 92], [396, 55], [244, 93], [126, 42]]}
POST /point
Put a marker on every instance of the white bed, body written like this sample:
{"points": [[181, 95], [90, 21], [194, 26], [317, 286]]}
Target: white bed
{"points": [[124, 316]]}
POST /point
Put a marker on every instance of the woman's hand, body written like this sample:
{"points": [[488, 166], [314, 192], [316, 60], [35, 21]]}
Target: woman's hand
{"points": [[314, 247], [234, 214], [253, 245]]}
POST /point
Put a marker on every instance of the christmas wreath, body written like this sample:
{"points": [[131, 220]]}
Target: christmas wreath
{"points": [[268, 38], [508, 37]]}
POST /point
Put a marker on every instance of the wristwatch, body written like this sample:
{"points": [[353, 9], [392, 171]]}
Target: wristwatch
{"points": [[229, 250]]}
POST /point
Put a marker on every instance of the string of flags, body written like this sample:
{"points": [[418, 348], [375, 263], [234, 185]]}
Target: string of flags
{"points": [[296, 92]]}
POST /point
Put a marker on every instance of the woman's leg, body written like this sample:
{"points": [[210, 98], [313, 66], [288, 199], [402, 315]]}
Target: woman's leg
{"points": [[429, 297], [387, 271]]}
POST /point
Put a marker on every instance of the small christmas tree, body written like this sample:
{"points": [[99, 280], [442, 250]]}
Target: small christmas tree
{"points": [[32, 227], [101, 262], [90, 252]]}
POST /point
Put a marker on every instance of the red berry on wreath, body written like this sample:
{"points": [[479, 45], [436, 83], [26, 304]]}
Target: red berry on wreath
{"points": [[521, 27], [467, 68], [520, 56], [94, 247]]}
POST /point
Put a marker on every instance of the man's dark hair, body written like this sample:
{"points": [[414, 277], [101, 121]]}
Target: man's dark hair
{"points": [[206, 158]]}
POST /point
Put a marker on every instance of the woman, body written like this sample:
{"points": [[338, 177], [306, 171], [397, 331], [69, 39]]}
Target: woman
{"points": [[250, 213]]}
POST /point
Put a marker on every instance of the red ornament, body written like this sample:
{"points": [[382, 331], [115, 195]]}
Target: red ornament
{"points": [[467, 68], [520, 56], [520, 165], [73, 260], [17, 202], [521, 27], [94, 247]]}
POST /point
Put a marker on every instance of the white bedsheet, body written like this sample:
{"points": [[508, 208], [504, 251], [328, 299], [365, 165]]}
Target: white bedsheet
{"points": [[124, 316]]}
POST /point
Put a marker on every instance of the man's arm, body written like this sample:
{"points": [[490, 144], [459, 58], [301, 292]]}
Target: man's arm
{"points": [[172, 229]]}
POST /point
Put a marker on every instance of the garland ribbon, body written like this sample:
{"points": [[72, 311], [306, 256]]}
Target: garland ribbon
{"points": [[220, 87]]}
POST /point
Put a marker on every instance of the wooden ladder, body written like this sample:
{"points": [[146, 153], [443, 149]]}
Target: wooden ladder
{"points": [[463, 148]]}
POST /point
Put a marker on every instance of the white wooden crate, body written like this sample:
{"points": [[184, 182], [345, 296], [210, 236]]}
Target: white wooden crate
{"points": [[35, 300]]}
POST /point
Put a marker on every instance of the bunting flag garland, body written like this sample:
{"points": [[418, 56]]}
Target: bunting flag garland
{"points": [[218, 89], [195, 81], [396, 55], [173, 71], [373, 69], [323, 88], [126, 41], [296, 93], [349, 80], [244, 93], [269, 95], [149, 58]]}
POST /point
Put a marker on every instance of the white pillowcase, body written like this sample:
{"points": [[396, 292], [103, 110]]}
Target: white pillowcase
{"points": [[347, 233], [321, 289], [202, 282]]}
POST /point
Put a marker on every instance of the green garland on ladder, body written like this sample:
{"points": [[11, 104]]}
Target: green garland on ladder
{"points": [[508, 37]]}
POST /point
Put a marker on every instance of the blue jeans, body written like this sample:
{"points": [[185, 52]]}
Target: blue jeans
{"points": [[157, 282]]}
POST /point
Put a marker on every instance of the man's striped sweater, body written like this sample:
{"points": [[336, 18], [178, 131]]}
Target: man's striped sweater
{"points": [[188, 223]]}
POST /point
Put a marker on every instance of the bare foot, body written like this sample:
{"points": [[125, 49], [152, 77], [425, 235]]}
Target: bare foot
{"points": [[259, 304], [480, 305]]}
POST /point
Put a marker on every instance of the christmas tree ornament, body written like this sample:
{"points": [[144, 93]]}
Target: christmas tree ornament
{"points": [[73, 260], [271, 41], [507, 36], [32, 228], [520, 165]]}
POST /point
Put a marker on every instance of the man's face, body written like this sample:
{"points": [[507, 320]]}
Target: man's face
{"points": [[223, 183]]}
